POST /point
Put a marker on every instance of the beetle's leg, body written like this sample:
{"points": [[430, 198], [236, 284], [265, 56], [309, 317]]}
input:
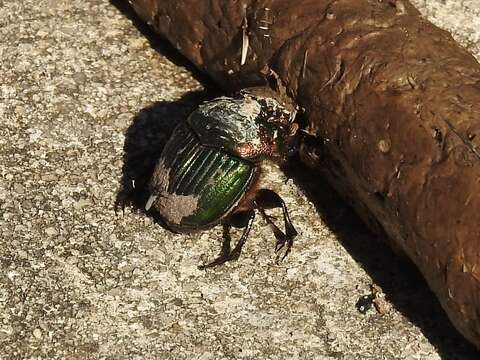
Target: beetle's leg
{"points": [[231, 255], [268, 199], [250, 216]]}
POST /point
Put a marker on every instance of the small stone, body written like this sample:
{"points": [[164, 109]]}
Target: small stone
{"points": [[27, 204], [137, 43], [49, 177], [19, 110], [80, 204], [124, 119], [37, 333], [18, 188], [50, 231], [42, 33]]}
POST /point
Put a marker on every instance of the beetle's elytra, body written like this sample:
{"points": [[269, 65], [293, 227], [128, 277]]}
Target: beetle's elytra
{"points": [[208, 171], [196, 184]]}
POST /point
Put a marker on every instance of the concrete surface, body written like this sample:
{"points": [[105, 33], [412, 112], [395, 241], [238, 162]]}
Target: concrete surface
{"points": [[86, 101]]}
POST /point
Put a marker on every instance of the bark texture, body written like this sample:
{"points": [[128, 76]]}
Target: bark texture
{"points": [[392, 101]]}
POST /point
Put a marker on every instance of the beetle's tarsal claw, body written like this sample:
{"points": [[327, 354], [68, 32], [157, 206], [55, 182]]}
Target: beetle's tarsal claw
{"points": [[284, 247], [279, 246], [269, 199], [119, 205], [150, 202], [122, 201]]}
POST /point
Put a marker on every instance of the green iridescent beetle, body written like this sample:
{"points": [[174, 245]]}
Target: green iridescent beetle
{"points": [[209, 169]]}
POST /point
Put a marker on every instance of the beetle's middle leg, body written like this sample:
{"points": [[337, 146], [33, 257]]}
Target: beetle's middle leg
{"points": [[268, 199], [243, 219]]}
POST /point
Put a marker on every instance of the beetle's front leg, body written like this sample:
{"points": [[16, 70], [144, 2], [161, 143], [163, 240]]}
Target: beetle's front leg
{"points": [[268, 199], [246, 220]]}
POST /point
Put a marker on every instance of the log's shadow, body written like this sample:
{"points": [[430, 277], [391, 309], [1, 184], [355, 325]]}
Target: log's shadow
{"points": [[401, 282]]}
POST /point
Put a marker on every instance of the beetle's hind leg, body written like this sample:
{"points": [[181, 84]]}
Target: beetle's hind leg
{"points": [[268, 199], [245, 219]]}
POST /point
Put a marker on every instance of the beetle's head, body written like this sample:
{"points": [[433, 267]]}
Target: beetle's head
{"points": [[280, 129]]}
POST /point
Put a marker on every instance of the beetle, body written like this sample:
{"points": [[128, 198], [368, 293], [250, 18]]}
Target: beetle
{"points": [[208, 171]]}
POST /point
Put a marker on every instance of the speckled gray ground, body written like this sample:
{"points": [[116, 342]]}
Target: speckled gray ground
{"points": [[86, 101]]}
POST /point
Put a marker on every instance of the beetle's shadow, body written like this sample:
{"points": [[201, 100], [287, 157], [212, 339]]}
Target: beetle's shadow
{"points": [[400, 280], [145, 139]]}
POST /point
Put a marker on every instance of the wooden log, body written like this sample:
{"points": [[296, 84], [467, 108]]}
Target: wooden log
{"points": [[392, 103]]}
